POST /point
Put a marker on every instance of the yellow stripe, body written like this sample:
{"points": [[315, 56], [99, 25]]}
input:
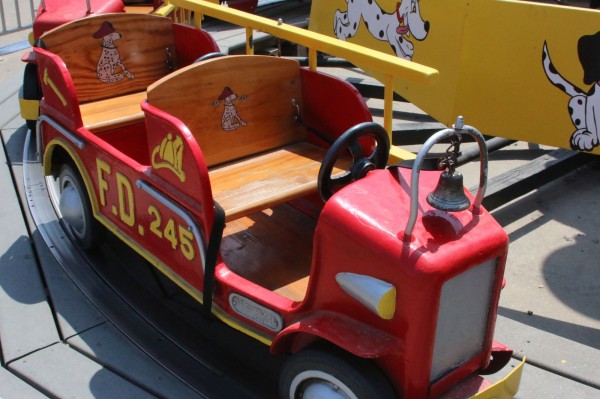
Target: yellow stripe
{"points": [[184, 285]]}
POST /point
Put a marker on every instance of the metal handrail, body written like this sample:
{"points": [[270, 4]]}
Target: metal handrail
{"points": [[16, 15]]}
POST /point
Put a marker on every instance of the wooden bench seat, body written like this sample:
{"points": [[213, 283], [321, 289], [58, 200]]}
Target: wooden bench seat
{"points": [[266, 180], [111, 59], [112, 113], [261, 159]]}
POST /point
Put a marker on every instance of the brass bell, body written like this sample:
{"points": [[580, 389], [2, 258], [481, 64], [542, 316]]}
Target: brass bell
{"points": [[449, 194]]}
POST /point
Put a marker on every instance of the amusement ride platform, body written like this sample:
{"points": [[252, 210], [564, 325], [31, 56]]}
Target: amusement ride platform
{"points": [[72, 327]]}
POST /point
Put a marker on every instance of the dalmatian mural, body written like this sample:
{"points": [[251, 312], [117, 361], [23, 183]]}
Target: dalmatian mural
{"points": [[230, 119], [584, 108], [396, 28], [110, 59]]}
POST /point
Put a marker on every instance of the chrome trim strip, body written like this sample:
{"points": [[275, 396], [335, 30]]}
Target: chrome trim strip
{"points": [[67, 133]]}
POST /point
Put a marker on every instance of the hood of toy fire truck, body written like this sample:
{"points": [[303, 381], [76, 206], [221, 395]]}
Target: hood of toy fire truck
{"points": [[380, 202], [450, 262]]}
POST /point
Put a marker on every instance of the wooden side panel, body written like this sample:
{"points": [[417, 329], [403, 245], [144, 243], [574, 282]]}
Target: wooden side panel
{"points": [[234, 106], [113, 54]]}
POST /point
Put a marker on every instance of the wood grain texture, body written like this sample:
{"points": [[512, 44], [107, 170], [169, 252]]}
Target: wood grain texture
{"points": [[141, 48], [267, 179], [261, 162], [112, 113], [272, 248], [264, 87]]}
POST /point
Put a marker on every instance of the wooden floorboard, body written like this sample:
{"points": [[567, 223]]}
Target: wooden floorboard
{"points": [[272, 248]]}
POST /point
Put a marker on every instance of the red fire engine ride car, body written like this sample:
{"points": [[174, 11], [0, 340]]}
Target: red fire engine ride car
{"points": [[232, 176]]}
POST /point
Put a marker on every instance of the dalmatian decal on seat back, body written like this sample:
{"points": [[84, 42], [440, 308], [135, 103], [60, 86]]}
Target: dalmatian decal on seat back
{"points": [[395, 27], [110, 59], [230, 119], [583, 108]]}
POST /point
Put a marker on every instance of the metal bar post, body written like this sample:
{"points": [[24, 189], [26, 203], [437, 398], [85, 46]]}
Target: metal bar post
{"points": [[249, 40]]}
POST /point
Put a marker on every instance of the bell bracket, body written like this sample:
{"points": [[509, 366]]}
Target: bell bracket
{"points": [[457, 129]]}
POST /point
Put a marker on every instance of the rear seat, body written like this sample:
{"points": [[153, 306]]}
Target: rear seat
{"points": [[112, 59]]}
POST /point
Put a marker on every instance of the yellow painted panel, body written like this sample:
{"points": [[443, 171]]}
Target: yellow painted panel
{"points": [[489, 57], [503, 87], [440, 48], [30, 109]]}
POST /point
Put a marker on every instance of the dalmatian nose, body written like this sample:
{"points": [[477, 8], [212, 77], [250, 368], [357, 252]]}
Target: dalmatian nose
{"points": [[426, 26]]}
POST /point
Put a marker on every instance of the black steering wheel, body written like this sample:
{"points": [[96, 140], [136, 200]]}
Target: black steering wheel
{"points": [[210, 56], [361, 164]]}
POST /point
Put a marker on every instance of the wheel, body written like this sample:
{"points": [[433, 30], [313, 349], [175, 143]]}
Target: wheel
{"points": [[320, 374], [76, 210], [31, 90], [361, 163]]}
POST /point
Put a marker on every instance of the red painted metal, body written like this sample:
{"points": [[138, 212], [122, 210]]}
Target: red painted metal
{"points": [[58, 12], [360, 230]]}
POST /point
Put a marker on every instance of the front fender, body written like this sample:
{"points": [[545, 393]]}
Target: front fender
{"points": [[351, 335]]}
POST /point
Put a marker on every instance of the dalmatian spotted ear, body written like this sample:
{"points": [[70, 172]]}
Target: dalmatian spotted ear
{"points": [[589, 56]]}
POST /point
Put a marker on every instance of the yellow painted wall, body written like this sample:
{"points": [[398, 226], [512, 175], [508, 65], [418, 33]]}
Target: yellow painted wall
{"points": [[489, 55]]}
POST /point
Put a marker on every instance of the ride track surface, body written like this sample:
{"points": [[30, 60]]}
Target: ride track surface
{"points": [[175, 351], [155, 314]]}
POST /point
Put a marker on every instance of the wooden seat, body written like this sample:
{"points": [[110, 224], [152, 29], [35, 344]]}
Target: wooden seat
{"points": [[111, 59], [265, 180], [259, 158], [112, 113]]}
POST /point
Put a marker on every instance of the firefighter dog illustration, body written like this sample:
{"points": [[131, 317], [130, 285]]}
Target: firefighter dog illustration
{"points": [[230, 120], [584, 108], [396, 27], [110, 59]]}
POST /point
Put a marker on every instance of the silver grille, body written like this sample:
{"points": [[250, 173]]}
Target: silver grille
{"points": [[462, 318]]}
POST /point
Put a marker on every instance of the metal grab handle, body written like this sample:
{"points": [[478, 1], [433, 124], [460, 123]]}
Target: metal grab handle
{"points": [[457, 128]]}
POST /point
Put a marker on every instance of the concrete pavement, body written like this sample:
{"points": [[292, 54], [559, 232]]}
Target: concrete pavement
{"points": [[549, 310]]}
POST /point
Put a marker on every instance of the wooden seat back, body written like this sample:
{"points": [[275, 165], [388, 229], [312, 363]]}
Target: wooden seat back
{"points": [[235, 106], [110, 55]]}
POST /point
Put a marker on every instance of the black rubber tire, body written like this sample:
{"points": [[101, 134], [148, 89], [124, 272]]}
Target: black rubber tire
{"points": [[336, 370], [88, 232], [31, 90]]}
